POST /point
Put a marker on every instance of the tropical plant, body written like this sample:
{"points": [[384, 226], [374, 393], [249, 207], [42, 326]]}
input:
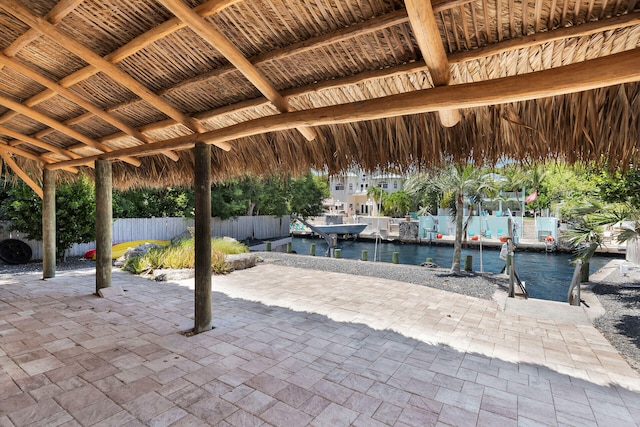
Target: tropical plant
{"points": [[457, 182], [398, 203], [421, 187], [75, 213], [376, 193], [181, 254]]}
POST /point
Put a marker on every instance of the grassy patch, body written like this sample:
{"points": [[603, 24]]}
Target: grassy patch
{"points": [[182, 254]]}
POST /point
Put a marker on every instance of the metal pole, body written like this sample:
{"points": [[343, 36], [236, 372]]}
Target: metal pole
{"points": [[512, 275]]}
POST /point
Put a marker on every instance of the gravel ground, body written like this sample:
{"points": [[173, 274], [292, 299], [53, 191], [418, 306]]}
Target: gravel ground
{"points": [[72, 263], [472, 284], [617, 294], [620, 297]]}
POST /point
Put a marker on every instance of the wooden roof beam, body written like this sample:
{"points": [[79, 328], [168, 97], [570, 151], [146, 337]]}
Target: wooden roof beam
{"points": [[44, 119], [64, 7], [612, 70], [38, 143], [50, 31], [582, 30], [55, 15], [73, 97], [23, 176], [31, 156], [418, 66], [233, 54], [427, 35], [207, 9]]}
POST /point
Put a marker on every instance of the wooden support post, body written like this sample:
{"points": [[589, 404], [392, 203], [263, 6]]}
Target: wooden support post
{"points": [[202, 184], [468, 263], [104, 218], [49, 224]]}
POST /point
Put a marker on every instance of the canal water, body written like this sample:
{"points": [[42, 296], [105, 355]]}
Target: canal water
{"points": [[547, 275]]}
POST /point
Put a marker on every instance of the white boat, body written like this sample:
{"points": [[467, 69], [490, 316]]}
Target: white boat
{"points": [[340, 228]]}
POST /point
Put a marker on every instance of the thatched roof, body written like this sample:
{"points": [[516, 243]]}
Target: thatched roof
{"points": [[285, 85]]}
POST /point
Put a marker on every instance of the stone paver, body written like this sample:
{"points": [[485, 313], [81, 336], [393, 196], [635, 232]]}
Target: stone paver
{"points": [[296, 347]]}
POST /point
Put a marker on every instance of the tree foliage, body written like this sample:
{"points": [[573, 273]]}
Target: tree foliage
{"points": [[247, 195], [307, 194], [75, 213], [455, 182], [619, 187], [398, 203], [149, 203]]}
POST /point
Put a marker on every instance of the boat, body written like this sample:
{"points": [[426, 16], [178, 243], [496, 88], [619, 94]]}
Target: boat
{"points": [[340, 228]]}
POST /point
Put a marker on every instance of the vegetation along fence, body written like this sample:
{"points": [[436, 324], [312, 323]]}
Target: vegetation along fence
{"points": [[130, 229]]}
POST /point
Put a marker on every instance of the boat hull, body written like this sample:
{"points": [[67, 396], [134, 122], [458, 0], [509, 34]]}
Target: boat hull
{"points": [[341, 228]]}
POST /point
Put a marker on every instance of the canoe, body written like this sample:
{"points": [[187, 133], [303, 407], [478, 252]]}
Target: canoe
{"points": [[117, 250]]}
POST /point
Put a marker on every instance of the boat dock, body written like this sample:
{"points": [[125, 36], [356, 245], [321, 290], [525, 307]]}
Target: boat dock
{"points": [[388, 229]]}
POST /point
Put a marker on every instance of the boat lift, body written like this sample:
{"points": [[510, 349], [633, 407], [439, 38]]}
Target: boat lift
{"points": [[330, 238]]}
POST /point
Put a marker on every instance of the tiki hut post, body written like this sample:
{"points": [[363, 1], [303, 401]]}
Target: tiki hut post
{"points": [[104, 218], [49, 224], [202, 185]]}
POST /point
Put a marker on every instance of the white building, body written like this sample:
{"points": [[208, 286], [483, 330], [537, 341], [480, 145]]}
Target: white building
{"points": [[349, 191]]}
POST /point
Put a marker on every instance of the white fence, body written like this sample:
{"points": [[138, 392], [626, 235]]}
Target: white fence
{"points": [[130, 229]]}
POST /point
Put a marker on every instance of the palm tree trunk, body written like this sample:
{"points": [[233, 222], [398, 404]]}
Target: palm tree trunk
{"points": [[457, 243]]}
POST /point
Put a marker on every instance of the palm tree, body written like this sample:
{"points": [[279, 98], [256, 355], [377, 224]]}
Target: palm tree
{"points": [[587, 234], [460, 181], [376, 194]]}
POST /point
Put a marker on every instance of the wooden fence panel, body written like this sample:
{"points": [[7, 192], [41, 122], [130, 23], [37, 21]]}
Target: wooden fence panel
{"points": [[130, 229]]}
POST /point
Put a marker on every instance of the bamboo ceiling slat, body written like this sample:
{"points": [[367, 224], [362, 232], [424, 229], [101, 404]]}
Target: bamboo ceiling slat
{"points": [[325, 54]]}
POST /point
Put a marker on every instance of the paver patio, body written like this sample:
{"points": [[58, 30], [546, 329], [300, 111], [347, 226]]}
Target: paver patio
{"points": [[296, 347]]}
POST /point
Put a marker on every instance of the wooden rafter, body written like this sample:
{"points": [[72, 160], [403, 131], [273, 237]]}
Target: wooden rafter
{"points": [[233, 54], [581, 30], [44, 119], [587, 75], [22, 174], [55, 15], [31, 156], [207, 9], [428, 38], [137, 44], [115, 73], [73, 97], [168, 27], [375, 24], [415, 67], [38, 143]]}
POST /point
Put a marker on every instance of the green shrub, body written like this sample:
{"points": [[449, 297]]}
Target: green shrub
{"points": [[228, 246], [181, 254], [218, 263], [136, 265]]}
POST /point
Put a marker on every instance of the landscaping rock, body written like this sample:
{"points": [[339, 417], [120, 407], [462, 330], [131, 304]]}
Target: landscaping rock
{"points": [[164, 275], [429, 265], [241, 261]]}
